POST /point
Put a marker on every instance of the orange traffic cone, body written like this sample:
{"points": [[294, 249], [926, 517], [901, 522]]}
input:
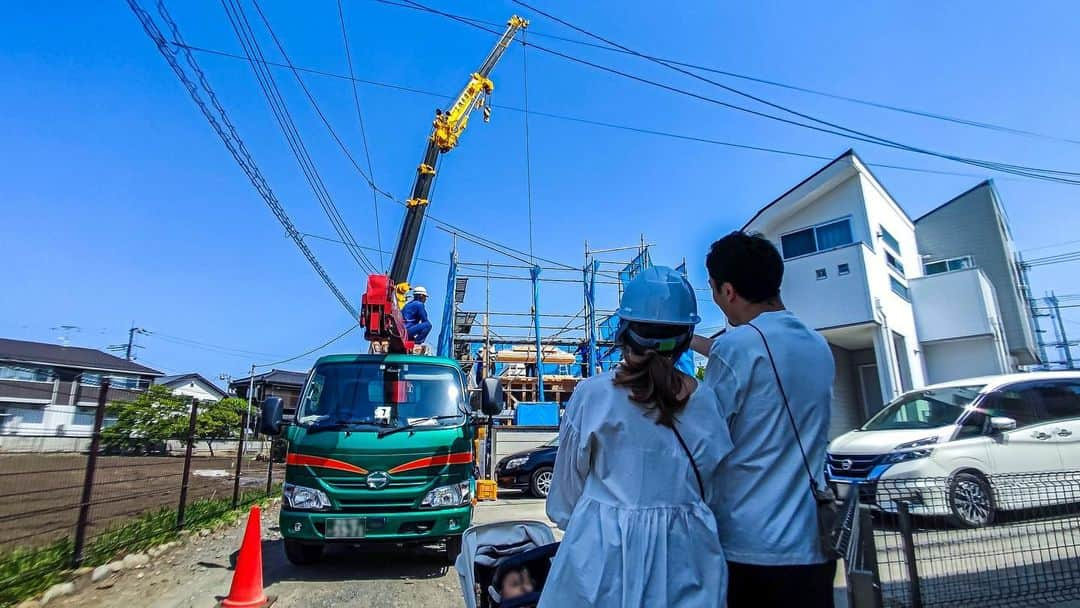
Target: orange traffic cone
{"points": [[247, 583]]}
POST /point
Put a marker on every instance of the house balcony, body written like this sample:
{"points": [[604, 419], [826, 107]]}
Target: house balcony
{"points": [[830, 289], [952, 305]]}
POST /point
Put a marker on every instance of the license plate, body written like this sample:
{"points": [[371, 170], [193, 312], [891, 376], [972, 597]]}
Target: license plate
{"points": [[345, 528]]}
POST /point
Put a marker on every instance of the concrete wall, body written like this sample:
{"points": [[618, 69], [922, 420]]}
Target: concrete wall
{"points": [[508, 442], [974, 224], [957, 359]]}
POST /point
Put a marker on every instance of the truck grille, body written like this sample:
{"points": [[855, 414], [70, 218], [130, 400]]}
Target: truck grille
{"points": [[851, 466]]}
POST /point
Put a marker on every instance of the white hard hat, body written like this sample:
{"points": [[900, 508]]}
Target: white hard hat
{"points": [[419, 291]]}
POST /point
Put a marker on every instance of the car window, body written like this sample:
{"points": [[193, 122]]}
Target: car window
{"points": [[974, 425], [925, 409], [1020, 405], [1060, 400]]}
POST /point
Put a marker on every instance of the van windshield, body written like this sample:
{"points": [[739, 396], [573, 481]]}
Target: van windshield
{"points": [[927, 409], [383, 395]]}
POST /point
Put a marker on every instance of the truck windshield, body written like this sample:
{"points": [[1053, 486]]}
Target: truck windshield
{"points": [[926, 409], [348, 394]]}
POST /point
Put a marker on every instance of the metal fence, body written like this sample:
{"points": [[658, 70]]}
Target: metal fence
{"points": [[967, 540], [82, 494]]}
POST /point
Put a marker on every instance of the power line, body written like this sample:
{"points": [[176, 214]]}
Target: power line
{"points": [[372, 249], [246, 36], [830, 128], [775, 83], [348, 331], [363, 134], [1052, 245], [1070, 256], [228, 134], [583, 120]]}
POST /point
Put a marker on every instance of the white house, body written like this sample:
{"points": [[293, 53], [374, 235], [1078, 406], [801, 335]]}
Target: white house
{"points": [[193, 385], [853, 271]]}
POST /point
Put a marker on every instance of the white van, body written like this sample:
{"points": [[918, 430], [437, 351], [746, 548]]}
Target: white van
{"points": [[961, 435]]}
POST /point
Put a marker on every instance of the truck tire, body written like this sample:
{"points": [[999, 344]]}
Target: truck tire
{"points": [[302, 554], [453, 549], [540, 483]]}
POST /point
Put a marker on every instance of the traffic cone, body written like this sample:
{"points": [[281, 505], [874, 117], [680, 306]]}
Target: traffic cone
{"points": [[247, 583]]}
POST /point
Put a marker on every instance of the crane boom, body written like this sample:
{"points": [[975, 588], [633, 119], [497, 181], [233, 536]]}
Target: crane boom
{"points": [[380, 308]]}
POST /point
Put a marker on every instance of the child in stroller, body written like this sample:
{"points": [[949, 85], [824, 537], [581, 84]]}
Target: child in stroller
{"points": [[504, 565]]}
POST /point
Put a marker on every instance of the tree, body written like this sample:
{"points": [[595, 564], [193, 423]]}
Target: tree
{"points": [[220, 420], [146, 422]]}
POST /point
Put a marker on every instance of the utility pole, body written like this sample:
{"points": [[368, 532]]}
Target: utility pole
{"points": [[1063, 338], [131, 339], [250, 395]]}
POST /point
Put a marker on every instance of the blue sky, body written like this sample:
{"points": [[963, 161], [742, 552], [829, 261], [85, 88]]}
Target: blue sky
{"points": [[120, 204]]}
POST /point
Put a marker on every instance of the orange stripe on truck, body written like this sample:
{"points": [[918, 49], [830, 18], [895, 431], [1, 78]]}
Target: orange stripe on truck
{"points": [[323, 463], [434, 461]]}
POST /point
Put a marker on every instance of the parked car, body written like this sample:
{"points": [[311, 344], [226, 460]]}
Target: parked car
{"points": [[529, 470], [962, 449]]}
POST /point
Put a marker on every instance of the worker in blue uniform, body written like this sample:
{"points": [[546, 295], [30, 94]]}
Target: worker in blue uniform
{"points": [[415, 315]]}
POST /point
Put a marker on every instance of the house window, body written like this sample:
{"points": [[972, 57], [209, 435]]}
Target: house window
{"points": [[949, 265], [896, 265], [821, 274], [899, 288], [84, 416], [889, 239], [124, 382], [14, 414], [843, 269], [19, 372], [817, 238]]}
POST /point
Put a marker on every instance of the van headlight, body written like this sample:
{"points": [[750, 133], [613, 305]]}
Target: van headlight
{"points": [[912, 450], [305, 499], [453, 495], [514, 463]]}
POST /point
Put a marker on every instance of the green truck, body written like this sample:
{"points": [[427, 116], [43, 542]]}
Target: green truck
{"points": [[380, 450]]}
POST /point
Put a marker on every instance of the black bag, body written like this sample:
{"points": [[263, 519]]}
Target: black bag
{"points": [[830, 524]]}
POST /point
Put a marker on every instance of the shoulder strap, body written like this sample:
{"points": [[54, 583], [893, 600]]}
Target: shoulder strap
{"points": [[697, 473], [787, 407]]}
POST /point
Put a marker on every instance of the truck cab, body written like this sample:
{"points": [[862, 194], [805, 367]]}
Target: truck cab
{"points": [[380, 450]]}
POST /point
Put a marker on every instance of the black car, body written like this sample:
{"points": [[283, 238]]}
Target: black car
{"points": [[529, 470]]}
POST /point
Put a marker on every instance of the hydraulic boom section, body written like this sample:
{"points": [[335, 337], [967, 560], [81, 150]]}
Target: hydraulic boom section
{"points": [[381, 305]]}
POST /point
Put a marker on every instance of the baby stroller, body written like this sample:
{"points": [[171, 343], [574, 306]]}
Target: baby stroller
{"points": [[492, 552]]}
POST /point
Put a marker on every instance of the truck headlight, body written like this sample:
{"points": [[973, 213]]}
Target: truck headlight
{"points": [[303, 498], [453, 495], [913, 450], [514, 463]]}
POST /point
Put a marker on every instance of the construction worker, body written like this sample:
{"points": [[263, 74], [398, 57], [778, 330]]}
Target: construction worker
{"points": [[415, 315]]}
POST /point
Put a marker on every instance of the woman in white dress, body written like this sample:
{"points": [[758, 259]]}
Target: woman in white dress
{"points": [[638, 455]]}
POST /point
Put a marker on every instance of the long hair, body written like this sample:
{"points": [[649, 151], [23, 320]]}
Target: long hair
{"points": [[651, 376]]}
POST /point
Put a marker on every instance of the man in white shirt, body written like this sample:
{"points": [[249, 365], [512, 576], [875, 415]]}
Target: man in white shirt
{"points": [[766, 513]]}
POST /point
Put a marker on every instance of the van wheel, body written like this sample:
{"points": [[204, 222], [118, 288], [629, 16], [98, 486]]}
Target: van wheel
{"points": [[302, 554], [971, 501], [453, 549], [540, 484]]}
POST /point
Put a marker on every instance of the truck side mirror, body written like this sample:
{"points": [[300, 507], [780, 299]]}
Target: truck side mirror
{"points": [[491, 397], [272, 410]]}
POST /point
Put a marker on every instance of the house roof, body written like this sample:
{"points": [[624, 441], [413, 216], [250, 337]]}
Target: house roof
{"points": [[274, 376], [986, 183], [177, 380], [857, 164], [43, 353]]}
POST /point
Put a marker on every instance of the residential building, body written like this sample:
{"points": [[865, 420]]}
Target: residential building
{"points": [[972, 231], [854, 272], [51, 390], [194, 386], [274, 383]]}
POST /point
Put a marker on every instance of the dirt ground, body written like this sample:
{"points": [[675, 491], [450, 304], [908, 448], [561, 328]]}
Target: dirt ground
{"points": [[40, 493]]}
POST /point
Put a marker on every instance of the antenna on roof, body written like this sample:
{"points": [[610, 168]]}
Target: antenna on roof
{"points": [[65, 338]]}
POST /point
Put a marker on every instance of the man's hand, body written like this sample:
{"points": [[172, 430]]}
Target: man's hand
{"points": [[701, 345]]}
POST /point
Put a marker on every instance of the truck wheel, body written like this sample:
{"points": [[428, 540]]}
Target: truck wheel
{"points": [[302, 554], [971, 501], [540, 484], [453, 549]]}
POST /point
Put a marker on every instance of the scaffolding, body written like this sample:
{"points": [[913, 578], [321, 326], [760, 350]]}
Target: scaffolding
{"points": [[539, 354]]}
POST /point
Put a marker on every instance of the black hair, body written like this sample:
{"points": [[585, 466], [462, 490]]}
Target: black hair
{"points": [[750, 262]]}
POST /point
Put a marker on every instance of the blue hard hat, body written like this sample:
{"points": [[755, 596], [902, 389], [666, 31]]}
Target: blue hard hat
{"points": [[659, 295]]}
